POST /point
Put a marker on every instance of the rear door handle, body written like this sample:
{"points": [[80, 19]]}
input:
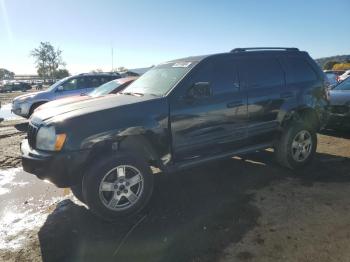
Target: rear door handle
{"points": [[235, 104], [287, 95]]}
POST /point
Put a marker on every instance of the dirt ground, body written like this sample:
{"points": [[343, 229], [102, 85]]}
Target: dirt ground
{"points": [[240, 209]]}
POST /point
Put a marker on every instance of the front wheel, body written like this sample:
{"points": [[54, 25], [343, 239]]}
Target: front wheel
{"points": [[118, 187], [297, 146]]}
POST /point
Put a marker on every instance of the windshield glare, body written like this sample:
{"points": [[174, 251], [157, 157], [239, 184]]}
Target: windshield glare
{"points": [[343, 85], [104, 89], [159, 80]]}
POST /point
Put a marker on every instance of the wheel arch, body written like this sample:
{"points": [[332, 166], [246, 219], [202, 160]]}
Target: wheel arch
{"points": [[138, 145], [35, 105], [303, 113]]}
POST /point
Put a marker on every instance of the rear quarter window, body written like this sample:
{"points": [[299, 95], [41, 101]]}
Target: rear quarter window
{"points": [[298, 70]]}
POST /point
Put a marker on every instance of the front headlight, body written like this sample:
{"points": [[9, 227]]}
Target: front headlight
{"points": [[47, 139]]}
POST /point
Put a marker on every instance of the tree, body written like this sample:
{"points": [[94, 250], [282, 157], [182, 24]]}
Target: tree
{"points": [[61, 73], [122, 69], [6, 74], [47, 59], [98, 70], [341, 66], [329, 65]]}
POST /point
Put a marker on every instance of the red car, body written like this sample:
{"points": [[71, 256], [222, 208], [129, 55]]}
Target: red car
{"points": [[111, 87]]}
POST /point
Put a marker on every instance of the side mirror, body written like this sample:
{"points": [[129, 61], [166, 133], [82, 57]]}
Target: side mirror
{"points": [[199, 90], [59, 89]]}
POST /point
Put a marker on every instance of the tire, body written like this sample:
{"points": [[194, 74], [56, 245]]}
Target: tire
{"points": [[78, 192], [291, 145], [112, 196]]}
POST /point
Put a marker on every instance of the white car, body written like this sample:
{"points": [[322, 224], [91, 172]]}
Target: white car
{"points": [[344, 76]]}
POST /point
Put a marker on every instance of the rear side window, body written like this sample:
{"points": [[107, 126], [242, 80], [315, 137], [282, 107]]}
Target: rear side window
{"points": [[94, 81], [105, 79], [298, 70], [260, 72]]}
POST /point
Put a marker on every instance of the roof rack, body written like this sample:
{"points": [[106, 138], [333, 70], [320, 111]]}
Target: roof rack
{"points": [[263, 48]]}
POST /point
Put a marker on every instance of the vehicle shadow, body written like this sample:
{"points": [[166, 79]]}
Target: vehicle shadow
{"points": [[193, 215], [342, 133]]}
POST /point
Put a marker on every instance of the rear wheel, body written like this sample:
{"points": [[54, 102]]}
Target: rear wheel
{"points": [[297, 145], [118, 187]]}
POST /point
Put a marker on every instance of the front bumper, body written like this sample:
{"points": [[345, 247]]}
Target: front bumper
{"points": [[63, 169]]}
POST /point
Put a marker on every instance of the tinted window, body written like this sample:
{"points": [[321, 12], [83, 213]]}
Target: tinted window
{"points": [[94, 81], [224, 77], [221, 74], [298, 70], [70, 84], [105, 79], [260, 72]]}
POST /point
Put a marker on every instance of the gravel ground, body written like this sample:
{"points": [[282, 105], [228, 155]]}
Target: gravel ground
{"points": [[241, 209]]}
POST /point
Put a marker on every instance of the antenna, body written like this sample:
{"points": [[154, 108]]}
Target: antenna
{"points": [[112, 60]]}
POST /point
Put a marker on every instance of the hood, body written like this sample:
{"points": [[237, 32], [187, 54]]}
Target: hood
{"points": [[87, 106], [339, 97], [33, 94], [62, 102]]}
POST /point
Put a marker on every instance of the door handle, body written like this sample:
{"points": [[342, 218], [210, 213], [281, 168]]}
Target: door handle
{"points": [[287, 95], [235, 104]]}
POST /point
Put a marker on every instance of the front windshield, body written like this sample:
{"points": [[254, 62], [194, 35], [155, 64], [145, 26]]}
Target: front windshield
{"points": [[159, 80], [59, 82], [343, 85], [104, 89]]}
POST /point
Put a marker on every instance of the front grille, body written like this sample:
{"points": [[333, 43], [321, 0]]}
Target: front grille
{"points": [[340, 109], [32, 131]]}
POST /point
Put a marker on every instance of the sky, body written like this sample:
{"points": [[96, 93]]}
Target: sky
{"points": [[147, 32]]}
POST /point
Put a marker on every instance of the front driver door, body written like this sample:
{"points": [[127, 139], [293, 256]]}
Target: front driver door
{"points": [[209, 125]]}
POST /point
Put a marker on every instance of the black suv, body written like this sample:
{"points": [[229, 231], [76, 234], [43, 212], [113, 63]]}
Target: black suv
{"points": [[179, 114]]}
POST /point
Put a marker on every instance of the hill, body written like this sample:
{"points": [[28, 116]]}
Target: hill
{"points": [[339, 58]]}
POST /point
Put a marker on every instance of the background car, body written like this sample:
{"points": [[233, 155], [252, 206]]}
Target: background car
{"points": [[111, 87], [70, 86], [340, 105], [16, 86], [332, 78], [344, 76]]}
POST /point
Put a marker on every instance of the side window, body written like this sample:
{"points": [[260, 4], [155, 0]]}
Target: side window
{"points": [[105, 79], [94, 81], [82, 82], [71, 84], [298, 70], [221, 75], [260, 72], [224, 77]]}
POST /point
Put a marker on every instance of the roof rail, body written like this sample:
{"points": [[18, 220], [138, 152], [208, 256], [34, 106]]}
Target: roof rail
{"points": [[263, 48]]}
